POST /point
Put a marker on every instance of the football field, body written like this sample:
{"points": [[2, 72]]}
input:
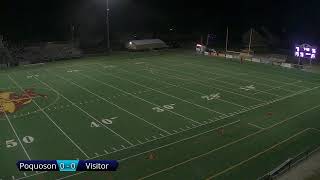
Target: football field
{"points": [[165, 117]]}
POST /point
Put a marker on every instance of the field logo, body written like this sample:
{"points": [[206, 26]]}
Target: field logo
{"points": [[10, 102]]}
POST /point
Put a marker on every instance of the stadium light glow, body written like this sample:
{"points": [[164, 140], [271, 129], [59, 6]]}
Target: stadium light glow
{"points": [[130, 43]]}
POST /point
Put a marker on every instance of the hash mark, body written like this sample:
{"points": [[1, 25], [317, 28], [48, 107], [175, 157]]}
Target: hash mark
{"points": [[106, 151]]}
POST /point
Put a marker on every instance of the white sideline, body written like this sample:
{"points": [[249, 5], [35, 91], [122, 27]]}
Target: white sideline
{"points": [[280, 75], [258, 154], [256, 126], [160, 147], [213, 79], [197, 105], [262, 105], [301, 92], [85, 112], [212, 86], [231, 143], [113, 104], [183, 88], [56, 125], [15, 133], [89, 77]]}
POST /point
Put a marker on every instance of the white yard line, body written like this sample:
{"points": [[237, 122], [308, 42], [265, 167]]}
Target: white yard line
{"points": [[233, 76], [184, 88], [279, 87], [263, 78], [85, 112], [256, 126], [15, 133], [164, 146], [197, 82], [144, 100], [122, 109], [258, 154], [224, 82], [278, 74], [183, 100], [265, 104], [229, 144], [213, 79], [53, 122]]}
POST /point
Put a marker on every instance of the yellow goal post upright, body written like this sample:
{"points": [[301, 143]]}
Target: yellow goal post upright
{"points": [[243, 53]]}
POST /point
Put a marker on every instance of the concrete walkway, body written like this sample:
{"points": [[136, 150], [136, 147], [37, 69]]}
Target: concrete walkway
{"points": [[307, 170]]}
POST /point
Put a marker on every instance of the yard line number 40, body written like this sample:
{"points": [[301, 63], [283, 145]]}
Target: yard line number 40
{"points": [[107, 121], [163, 108]]}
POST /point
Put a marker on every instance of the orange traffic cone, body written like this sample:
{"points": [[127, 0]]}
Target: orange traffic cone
{"points": [[152, 156]]}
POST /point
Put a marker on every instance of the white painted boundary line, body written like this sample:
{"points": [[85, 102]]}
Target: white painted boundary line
{"points": [[262, 105], [213, 79], [232, 84], [232, 75], [229, 144], [256, 126], [258, 154], [197, 105], [196, 82], [89, 77], [53, 122], [162, 93], [244, 137], [164, 146], [15, 133], [278, 74], [279, 87], [263, 78], [85, 112], [182, 87], [83, 88]]}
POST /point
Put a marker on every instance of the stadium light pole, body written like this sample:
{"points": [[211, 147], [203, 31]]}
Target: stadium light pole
{"points": [[250, 40], [227, 39], [108, 27]]}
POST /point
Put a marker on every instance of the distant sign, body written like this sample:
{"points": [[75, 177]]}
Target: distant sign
{"points": [[305, 51]]}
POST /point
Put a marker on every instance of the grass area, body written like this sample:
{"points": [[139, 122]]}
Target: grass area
{"points": [[168, 116]]}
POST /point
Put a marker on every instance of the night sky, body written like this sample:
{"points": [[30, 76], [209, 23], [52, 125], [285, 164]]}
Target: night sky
{"points": [[51, 20]]}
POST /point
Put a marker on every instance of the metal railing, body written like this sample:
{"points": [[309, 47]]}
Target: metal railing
{"points": [[288, 164]]}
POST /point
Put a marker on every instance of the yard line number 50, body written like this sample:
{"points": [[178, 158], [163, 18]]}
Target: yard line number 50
{"points": [[13, 143]]}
